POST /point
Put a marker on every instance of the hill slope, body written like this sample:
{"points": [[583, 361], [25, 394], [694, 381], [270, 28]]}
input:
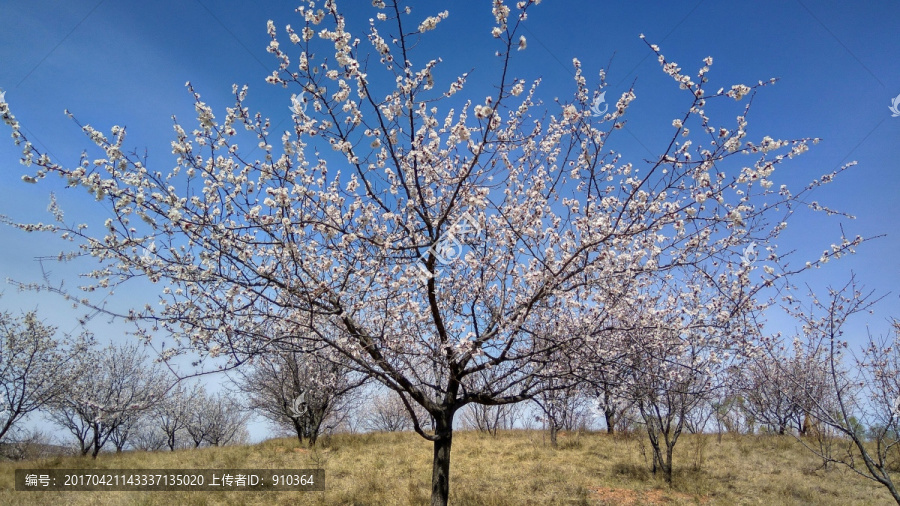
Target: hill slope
{"points": [[516, 467]]}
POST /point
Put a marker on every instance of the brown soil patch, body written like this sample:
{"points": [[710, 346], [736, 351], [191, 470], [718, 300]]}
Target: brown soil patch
{"points": [[627, 497], [611, 496]]}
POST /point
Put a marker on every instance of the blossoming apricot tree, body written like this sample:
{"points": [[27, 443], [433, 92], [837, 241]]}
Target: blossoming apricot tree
{"points": [[436, 237], [35, 367], [108, 393]]}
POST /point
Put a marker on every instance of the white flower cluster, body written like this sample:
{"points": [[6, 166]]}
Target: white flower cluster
{"points": [[501, 13], [738, 91], [431, 22]]}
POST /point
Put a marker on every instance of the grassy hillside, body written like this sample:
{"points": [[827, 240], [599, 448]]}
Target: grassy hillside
{"points": [[515, 468]]}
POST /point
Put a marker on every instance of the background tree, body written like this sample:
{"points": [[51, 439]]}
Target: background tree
{"points": [[609, 395], [110, 390], [149, 436], [563, 406], [385, 412], [34, 367], [776, 385], [490, 419], [216, 420], [696, 421], [301, 388], [124, 432], [667, 387], [676, 356], [560, 398], [228, 422], [769, 394], [36, 444], [731, 414], [68, 416], [173, 413], [389, 248], [868, 394]]}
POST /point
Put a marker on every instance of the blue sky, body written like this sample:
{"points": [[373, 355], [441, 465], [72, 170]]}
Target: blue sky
{"points": [[125, 63]]}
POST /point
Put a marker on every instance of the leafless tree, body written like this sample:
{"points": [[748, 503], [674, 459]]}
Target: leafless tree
{"points": [[149, 436], [697, 420], [124, 432], [729, 415], [490, 419], [216, 420], [303, 388], [605, 384], [35, 444], [228, 423], [860, 390], [67, 415], [385, 412], [768, 394]]}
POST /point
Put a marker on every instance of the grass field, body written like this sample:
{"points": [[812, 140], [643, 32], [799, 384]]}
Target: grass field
{"points": [[515, 468]]}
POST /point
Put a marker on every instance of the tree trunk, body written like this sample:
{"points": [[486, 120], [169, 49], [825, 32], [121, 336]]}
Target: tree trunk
{"points": [[667, 465], [440, 472], [610, 421], [315, 426], [7, 426], [85, 447], [654, 446], [96, 444], [553, 432], [298, 428]]}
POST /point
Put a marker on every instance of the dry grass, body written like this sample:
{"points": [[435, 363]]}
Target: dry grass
{"points": [[516, 467]]}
